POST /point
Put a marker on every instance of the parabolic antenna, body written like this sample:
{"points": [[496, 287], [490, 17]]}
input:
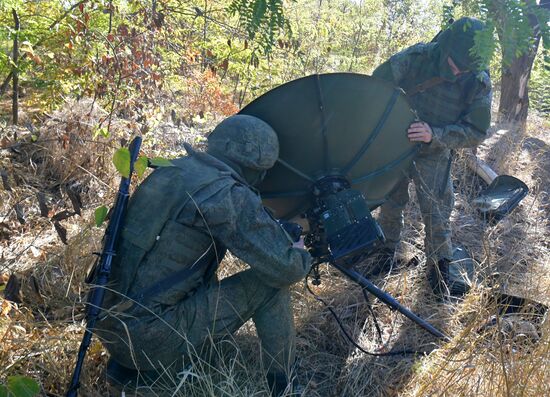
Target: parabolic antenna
{"points": [[341, 125], [343, 148]]}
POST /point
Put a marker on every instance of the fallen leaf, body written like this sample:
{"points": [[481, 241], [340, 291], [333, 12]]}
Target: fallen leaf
{"points": [[31, 291], [61, 216], [75, 198], [4, 142], [4, 231], [61, 232], [42, 204], [12, 292], [5, 180], [5, 308], [20, 213]]}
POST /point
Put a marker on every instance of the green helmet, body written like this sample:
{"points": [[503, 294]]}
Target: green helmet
{"points": [[457, 41], [247, 142]]}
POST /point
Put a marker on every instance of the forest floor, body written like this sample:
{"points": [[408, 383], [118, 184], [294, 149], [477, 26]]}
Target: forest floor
{"points": [[57, 173]]}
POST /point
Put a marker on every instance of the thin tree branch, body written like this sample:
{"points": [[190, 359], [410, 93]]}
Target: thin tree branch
{"points": [[15, 72]]}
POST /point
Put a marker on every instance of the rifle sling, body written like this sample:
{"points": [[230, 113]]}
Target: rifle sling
{"points": [[205, 261]]}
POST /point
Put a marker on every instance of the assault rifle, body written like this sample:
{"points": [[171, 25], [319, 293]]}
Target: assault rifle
{"points": [[102, 269]]}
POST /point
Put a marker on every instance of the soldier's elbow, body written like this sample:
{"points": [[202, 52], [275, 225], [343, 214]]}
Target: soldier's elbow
{"points": [[293, 272]]}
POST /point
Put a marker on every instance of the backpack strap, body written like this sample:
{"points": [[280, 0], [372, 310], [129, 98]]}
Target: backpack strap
{"points": [[425, 85], [144, 297]]}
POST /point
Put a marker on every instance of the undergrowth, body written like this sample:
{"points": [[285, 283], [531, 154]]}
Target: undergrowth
{"points": [[39, 336]]}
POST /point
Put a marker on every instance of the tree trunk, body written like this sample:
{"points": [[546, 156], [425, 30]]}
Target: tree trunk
{"points": [[514, 94], [15, 99]]}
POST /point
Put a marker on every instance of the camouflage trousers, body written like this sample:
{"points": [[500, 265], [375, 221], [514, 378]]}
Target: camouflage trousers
{"points": [[163, 336], [434, 191]]}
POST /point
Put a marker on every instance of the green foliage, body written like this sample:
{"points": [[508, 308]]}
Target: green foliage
{"points": [[510, 26], [100, 214], [265, 17], [514, 29], [121, 160], [19, 386], [101, 131], [215, 57], [160, 162], [141, 165], [448, 15], [125, 57], [539, 84], [485, 46]]}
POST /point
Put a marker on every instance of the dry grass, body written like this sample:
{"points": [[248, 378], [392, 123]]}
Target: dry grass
{"points": [[40, 337]]}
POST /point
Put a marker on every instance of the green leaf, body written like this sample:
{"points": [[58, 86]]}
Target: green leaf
{"points": [[121, 160], [100, 214], [103, 131], [160, 162], [3, 391], [141, 165], [23, 386]]}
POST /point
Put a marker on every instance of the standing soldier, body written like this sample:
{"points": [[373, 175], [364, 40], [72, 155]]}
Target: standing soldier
{"points": [[451, 94], [165, 300]]}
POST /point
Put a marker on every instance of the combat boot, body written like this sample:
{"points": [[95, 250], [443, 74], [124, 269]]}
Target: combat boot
{"points": [[280, 385], [121, 377], [443, 280]]}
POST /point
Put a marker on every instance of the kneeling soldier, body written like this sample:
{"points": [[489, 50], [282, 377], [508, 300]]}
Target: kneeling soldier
{"points": [[165, 296]]}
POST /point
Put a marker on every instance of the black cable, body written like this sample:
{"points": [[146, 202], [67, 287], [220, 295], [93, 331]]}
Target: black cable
{"points": [[371, 311], [350, 339]]}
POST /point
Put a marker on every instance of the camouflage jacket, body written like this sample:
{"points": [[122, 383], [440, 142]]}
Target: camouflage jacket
{"points": [[176, 215], [459, 111]]}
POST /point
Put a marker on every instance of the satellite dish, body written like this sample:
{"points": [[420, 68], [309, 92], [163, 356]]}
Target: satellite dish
{"points": [[343, 149], [342, 125]]}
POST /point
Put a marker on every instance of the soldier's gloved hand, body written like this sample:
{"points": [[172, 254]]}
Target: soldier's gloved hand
{"points": [[293, 230], [420, 131]]}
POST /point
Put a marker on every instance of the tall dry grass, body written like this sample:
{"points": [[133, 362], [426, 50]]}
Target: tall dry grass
{"points": [[40, 337]]}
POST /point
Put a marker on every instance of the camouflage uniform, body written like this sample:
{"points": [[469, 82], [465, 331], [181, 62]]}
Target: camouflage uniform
{"points": [[185, 212], [457, 108]]}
